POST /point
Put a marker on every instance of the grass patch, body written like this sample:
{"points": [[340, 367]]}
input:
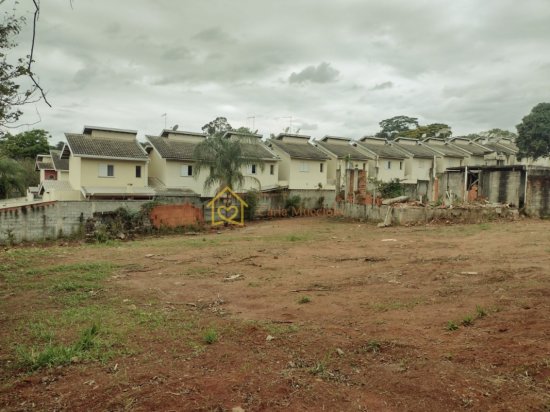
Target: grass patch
{"points": [[210, 336], [86, 347], [480, 312], [451, 326], [304, 299]]}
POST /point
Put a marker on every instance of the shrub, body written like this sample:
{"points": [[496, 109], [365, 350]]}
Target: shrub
{"points": [[293, 202], [252, 198]]}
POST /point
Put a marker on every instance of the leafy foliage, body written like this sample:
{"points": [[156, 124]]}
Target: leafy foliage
{"points": [[252, 198], [12, 178], [25, 145], [393, 126], [431, 130], [534, 133], [222, 157], [12, 73], [388, 190]]}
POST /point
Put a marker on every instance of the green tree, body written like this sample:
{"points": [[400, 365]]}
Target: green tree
{"points": [[219, 125], [25, 145], [534, 133], [13, 72], [225, 161], [390, 128], [12, 178], [431, 130], [496, 132]]}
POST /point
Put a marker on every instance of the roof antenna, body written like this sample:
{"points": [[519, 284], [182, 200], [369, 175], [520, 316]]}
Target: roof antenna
{"points": [[175, 127]]}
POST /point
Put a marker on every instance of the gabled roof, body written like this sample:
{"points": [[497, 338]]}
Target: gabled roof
{"points": [[82, 145], [172, 149], [44, 166], [58, 163], [304, 150], [472, 147], [387, 150], [415, 148], [258, 150], [343, 151], [499, 148], [445, 148], [511, 146], [59, 185]]}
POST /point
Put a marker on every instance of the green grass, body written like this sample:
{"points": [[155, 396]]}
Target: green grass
{"points": [[87, 347], [451, 326], [304, 299], [210, 336], [480, 312]]}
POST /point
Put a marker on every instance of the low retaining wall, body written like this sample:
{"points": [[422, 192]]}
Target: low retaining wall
{"points": [[412, 215]]}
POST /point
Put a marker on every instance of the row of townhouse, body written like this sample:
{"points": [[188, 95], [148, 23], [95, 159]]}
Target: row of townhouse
{"points": [[107, 163]]}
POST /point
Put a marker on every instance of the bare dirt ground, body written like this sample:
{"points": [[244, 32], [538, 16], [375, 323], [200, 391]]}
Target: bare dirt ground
{"points": [[302, 314]]}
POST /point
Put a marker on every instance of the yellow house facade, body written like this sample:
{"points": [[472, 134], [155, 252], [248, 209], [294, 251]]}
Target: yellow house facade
{"points": [[106, 163]]}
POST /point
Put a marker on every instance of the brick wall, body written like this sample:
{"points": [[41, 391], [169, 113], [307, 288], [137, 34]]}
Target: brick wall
{"points": [[176, 215]]}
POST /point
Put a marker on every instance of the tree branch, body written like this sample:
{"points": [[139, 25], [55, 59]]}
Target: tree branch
{"points": [[35, 20]]}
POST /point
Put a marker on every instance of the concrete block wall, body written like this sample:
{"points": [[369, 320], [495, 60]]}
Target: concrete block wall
{"points": [[415, 215], [50, 220], [537, 202]]}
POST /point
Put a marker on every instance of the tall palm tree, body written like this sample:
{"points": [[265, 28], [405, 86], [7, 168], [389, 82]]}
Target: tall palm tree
{"points": [[225, 159], [12, 178]]}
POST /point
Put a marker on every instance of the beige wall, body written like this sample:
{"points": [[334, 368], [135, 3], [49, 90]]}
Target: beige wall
{"points": [[444, 162], [63, 175], [60, 195], [394, 172], [475, 161], [418, 169], [310, 179], [125, 173], [157, 166], [74, 172], [113, 135], [174, 179], [263, 178]]}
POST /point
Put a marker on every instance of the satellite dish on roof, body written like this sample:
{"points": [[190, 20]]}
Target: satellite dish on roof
{"points": [[175, 127]]}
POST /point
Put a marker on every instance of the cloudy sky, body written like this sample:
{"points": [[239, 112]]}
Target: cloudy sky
{"points": [[325, 67]]}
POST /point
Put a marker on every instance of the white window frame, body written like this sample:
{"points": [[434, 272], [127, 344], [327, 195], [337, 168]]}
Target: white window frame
{"points": [[253, 169], [401, 165], [271, 170], [388, 165], [184, 170], [321, 167], [304, 167], [104, 170], [140, 172]]}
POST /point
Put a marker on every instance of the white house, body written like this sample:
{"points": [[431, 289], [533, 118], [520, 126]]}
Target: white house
{"points": [[172, 167], [342, 156], [389, 161], [302, 165]]}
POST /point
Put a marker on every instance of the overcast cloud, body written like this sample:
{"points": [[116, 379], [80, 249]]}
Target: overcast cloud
{"points": [[333, 68]]}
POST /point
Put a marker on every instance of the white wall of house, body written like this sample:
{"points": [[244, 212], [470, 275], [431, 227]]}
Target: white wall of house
{"points": [[442, 163], [308, 174], [261, 179], [417, 168], [178, 176], [387, 170]]}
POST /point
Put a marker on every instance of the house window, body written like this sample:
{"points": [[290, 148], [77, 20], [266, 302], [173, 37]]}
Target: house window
{"points": [[138, 171], [388, 165], [272, 169], [364, 166], [401, 165], [186, 170], [106, 170], [252, 169], [321, 167], [304, 167]]}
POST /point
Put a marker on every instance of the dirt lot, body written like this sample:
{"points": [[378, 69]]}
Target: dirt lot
{"points": [[297, 314]]}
